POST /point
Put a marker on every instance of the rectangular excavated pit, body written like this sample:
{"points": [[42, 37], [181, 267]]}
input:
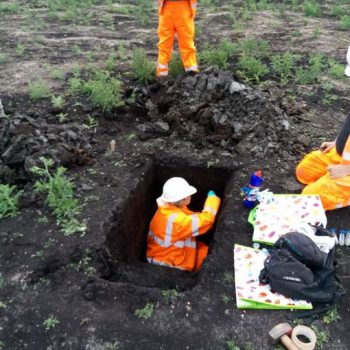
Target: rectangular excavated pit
{"points": [[126, 234]]}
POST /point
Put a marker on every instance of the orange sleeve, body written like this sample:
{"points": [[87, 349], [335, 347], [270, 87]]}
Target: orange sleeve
{"points": [[346, 153], [196, 224]]}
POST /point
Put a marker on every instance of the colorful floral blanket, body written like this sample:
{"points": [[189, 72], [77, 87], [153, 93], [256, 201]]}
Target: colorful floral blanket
{"points": [[250, 293]]}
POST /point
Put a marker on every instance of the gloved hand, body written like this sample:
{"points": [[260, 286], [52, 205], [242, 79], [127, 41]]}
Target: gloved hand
{"points": [[211, 194]]}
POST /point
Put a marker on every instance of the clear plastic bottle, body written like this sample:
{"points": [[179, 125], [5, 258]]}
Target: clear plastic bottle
{"points": [[342, 234], [347, 238], [334, 231]]}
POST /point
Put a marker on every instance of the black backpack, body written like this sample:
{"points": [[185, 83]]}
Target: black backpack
{"points": [[293, 278], [290, 277], [303, 248]]}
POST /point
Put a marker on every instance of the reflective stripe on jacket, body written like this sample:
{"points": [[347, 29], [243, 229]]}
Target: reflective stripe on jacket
{"points": [[192, 2], [172, 234]]}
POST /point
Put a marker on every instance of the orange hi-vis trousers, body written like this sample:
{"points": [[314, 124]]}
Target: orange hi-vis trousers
{"points": [[176, 17], [312, 171]]}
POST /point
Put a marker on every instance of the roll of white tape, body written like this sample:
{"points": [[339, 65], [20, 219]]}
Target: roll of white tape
{"points": [[306, 332]]}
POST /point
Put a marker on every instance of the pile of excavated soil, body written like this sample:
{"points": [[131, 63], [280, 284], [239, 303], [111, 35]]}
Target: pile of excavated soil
{"points": [[211, 108], [23, 140]]}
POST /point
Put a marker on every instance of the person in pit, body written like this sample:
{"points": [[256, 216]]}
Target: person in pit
{"points": [[173, 229], [326, 172]]}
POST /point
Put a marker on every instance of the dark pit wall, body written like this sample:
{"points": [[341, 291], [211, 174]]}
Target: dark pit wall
{"points": [[126, 233]]}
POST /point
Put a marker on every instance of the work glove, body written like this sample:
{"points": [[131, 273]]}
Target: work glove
{"points": [[211, 194]]}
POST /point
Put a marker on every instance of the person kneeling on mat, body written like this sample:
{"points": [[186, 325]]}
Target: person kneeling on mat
{"points": [[326, 172], [173, 229]]}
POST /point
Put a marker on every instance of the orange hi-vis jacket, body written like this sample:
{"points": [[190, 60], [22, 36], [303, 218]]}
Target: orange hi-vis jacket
{"points": [[172, 235], [192, 2]]}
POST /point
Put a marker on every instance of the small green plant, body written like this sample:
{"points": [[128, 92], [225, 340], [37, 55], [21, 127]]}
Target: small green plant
{"points": [[2, 281], [3, 58], [254, 48], [142, 69], [60, 196], [218, 56], [57, 101], [335, 70], [50, 323], [75, 86], [56, 73], [331, 315], [3, 305], [20, 49], [91, 123], [339, 11], [62, 117], [9, 200], [104, 91], [311, 8], [2, 345], [316, 33], [76, 50], [38, 90], [170, 295], [321, 335], [175, 65], [344, 23], [314, 71], [225, 298], [146, 312], [111, 61], [249, 346], [251, 68], [229, 278], [231, 345], [9, 8], [283, 66]]}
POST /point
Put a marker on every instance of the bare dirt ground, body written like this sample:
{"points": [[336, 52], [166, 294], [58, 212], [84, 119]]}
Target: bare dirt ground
{"points": [[94, 290]]}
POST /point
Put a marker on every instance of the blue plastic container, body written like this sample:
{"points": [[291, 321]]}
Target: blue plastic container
{"points": [[256, 180]]}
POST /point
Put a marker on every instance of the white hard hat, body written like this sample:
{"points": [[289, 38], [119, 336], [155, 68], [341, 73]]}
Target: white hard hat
{"points": [[175, 189]]}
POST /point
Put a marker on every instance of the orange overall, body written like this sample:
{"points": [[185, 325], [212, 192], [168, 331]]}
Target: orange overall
{"points": [[312, 171], [176, 17], [172, 235]]}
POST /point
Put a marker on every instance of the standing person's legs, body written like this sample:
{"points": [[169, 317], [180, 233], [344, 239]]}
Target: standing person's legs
{"points": [[314, 165], [185, 29], [166, 32]]}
